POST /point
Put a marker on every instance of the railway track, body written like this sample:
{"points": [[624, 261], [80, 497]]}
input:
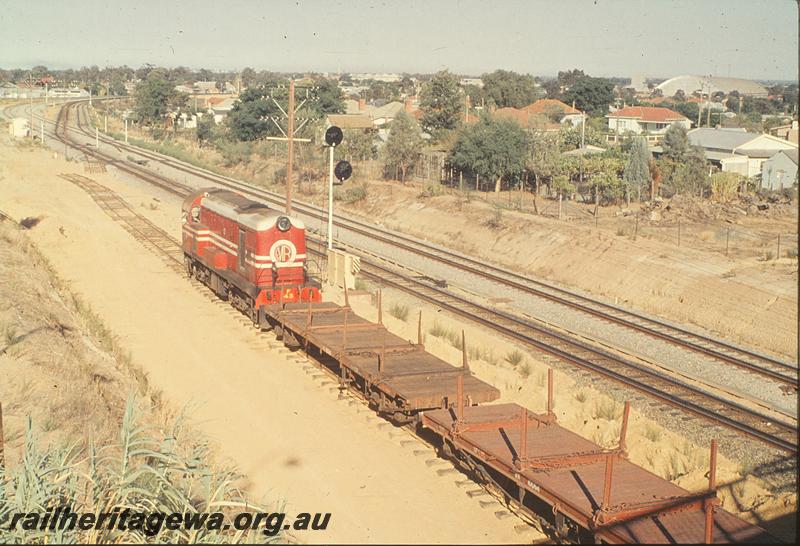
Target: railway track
{"points": [[643, 379], [756, 363]]}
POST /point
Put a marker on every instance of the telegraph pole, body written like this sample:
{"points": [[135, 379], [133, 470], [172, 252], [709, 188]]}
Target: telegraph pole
{"points": [[30, 80], [290, 137]]}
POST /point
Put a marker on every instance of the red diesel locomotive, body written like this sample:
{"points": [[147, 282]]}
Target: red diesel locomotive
{"points": [[248, 253]]}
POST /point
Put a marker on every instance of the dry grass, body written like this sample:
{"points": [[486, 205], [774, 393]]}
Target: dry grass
{"points": [[606, 408], [399, 311]]}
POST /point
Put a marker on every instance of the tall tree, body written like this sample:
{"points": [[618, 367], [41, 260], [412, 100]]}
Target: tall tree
{"points": [[637, 169], [491, 148], [329, 98], [250, 117], [592, 95], [676, 143], [505, 88], [442, 104], [404, 145], [156, 97], [568, 78]]}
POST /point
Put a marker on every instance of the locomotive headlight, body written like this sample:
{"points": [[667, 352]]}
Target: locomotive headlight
{"points": [[284, 223]]}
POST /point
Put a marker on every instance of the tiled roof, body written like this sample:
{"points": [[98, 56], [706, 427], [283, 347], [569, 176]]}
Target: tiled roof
{"points": [[546, 106], [648, 113], [351, 121]]}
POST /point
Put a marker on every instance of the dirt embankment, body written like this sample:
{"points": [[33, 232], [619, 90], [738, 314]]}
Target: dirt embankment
{"points": [[61, 367], [748, 301]]}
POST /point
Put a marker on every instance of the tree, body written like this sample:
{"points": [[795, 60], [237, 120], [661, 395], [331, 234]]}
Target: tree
{"points": [[491, 148], [357, 145], [509, 89], [248, 76], [250, 117], [204, 129], [637, 170], [329, 98], [570, 137], [156, 97], [543, 156], [592, 95], [442, 104], [568, 78], [552, 88], [676, 143], [404, 145], [680, 95], [683, 165], [117, 86]]}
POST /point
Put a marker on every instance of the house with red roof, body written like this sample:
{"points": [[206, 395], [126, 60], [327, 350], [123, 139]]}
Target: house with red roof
{"points": [[647, 120], [555, 109]]}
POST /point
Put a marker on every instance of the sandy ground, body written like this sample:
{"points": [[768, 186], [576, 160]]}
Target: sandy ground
{"points": [[290, 436], [748, 301]]}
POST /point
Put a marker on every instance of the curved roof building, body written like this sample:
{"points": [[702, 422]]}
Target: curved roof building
{"points": [[703, 84]]}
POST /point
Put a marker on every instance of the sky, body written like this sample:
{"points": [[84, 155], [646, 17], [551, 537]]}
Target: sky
{"points": [[756, 39]]}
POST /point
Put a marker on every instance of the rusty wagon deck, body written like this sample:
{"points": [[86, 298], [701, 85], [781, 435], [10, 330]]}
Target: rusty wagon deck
{"points": [[574, 477], [397, 374]]}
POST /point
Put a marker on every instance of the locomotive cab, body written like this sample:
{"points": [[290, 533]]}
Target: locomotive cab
{"points": [[245, 246]]}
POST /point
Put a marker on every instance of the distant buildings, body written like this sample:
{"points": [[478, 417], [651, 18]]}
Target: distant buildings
{"points": [[710, 85], [378, 77], [471, 81]]}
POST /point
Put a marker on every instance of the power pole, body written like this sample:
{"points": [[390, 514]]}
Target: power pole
{"points": [[290, 137], [30, 80]]}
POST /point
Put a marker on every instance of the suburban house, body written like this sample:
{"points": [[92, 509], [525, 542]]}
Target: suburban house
{"points": [[736, 150], [555, 108], [221, 108], [652, 121], [350, 121], [786, 132], [780, 170], [380, 114], [527, 119]]}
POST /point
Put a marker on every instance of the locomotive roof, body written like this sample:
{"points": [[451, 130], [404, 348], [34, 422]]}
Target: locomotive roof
{"points": [[249, 213]]}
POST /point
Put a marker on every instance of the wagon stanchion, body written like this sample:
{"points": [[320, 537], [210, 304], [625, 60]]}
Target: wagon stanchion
{"points": [[712, 486], [419, 329], [623, 431], [522, 456], [607, 482], [380, 306]]}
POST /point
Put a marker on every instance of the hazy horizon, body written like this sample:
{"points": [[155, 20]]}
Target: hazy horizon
{"points": [[757, 39]]}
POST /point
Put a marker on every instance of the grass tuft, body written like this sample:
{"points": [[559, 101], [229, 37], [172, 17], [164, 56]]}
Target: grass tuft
{"points": [[399, 311]]}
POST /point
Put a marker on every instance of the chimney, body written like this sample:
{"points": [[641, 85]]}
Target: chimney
{"points": [[362, 105], [409, 105]]}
